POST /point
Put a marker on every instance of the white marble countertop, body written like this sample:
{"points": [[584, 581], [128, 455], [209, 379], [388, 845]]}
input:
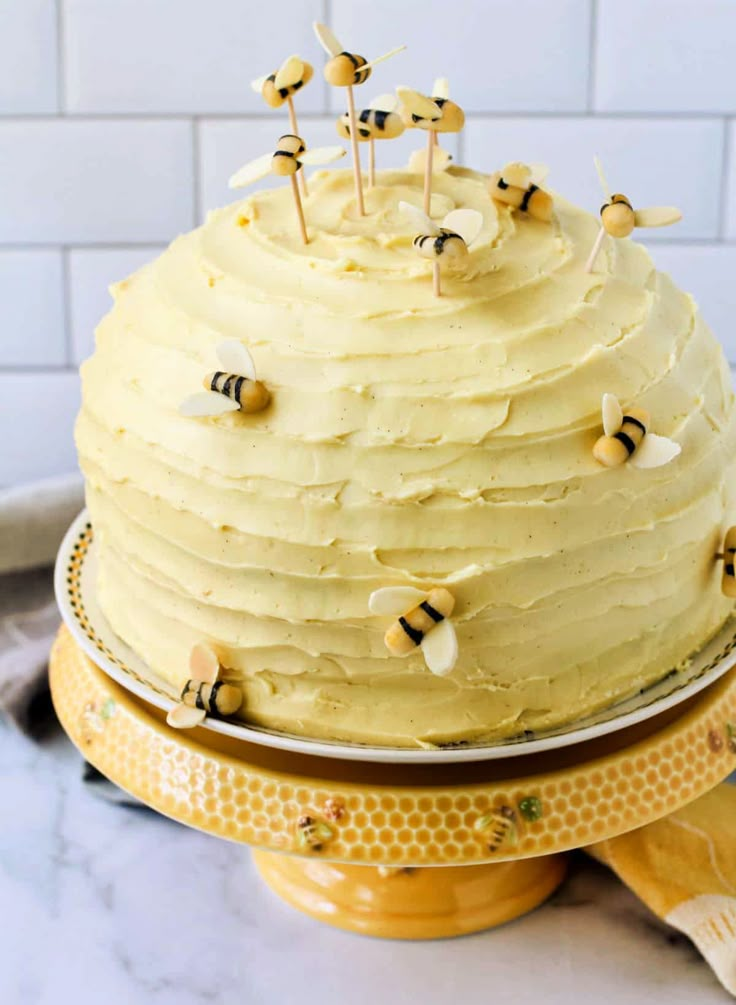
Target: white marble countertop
{"points": [[102, 903]]}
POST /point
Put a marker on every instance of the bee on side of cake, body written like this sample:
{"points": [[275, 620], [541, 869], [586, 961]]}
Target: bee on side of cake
{"points": [[518, 185], [234, 388], [619, 218], [203, 693], [626, 437], [728, 557], [424, 622]]}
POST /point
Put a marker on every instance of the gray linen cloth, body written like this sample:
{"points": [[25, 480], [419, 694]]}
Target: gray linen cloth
{"points": [[33, 521]]}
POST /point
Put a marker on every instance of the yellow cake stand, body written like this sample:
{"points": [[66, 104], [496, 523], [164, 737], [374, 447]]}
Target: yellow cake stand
{"points": [[400, 851]]}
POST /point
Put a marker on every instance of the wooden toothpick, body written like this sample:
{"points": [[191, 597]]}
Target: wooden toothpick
{"points": [[371, 162], [436, 279], [293, 125], [357, 175], [428, 173], [299, 209], [595, 249]]}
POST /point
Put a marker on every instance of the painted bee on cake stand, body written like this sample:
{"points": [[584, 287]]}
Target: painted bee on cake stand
{"points": [[448, 242], [518, 185], [619, 218], [234, 388], [379, 121], [424, 622], [203, 694], [626, 437]]}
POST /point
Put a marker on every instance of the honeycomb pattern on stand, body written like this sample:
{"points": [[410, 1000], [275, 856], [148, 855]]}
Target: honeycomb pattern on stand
{"points": [[467, 825]]}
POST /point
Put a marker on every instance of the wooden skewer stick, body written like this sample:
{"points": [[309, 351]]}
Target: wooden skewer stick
{"points": [[371, 162], [294, 128], [428, 172], [299, 209], [436, 279], [356, 152], [594, 250]]}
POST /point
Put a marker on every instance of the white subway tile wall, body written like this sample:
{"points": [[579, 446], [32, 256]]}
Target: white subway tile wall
{"points": [[121, 121]]}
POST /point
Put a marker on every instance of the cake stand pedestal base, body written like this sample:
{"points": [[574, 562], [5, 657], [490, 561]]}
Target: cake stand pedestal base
{"points": [[400, 851], [434, 903]]}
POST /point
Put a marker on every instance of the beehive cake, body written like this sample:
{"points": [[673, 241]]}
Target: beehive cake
{"points": [[410, 440]]}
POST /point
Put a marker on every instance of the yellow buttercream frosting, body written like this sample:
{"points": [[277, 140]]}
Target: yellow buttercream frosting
{"points": [[410, 440]]}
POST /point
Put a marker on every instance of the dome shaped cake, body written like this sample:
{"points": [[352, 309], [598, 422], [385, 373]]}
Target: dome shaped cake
{"points": [[410, 440]]}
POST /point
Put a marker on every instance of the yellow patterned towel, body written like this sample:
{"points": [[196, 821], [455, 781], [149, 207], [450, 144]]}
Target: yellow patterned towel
{"points": [[684, 868]]}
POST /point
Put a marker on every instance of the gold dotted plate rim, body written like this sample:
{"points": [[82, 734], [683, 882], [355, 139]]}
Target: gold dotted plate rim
{"points": [[75, 585], [386, 814]]}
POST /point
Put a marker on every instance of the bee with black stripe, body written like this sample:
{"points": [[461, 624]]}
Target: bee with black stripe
{"points": [[728, 556], [619, 218], [423, 622], [446, 242], [518, 185], [626, 437], [280, 86], [234, 388], [379, 121], [348, 70], [203, 693], [288, 158]]}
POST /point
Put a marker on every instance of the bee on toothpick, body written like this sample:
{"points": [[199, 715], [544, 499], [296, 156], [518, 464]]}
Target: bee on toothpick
{"points": [[448, 242], [626, 437], [203, 693], [280, 87], [347, 69], [728, 556], [518, 185], [618, 217], [436, 115], [440, 158], [424, 622], [234, 388], [288, 158], [379, 121]]}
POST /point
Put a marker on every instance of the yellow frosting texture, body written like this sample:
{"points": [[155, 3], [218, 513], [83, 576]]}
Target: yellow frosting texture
{"points": [[411, 440]]}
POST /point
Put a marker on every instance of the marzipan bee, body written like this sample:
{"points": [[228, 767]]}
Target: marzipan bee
{"points": [[290, 154], [203, 693], [618, 217], [441, 159], [276, 88], [233, 388], [450, 241], [517, 185], [343, 68], [626, 437], [437, 114], [379, 121], [728, 555], [498, 827], [313, 833], [424, 622]]}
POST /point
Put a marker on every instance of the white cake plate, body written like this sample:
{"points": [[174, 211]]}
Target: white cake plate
{"points": [[75, 582]]}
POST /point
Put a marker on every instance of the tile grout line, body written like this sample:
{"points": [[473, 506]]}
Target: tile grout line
{"points": [[592, 56], [60, 60], [622, 115], [326, 19]]}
